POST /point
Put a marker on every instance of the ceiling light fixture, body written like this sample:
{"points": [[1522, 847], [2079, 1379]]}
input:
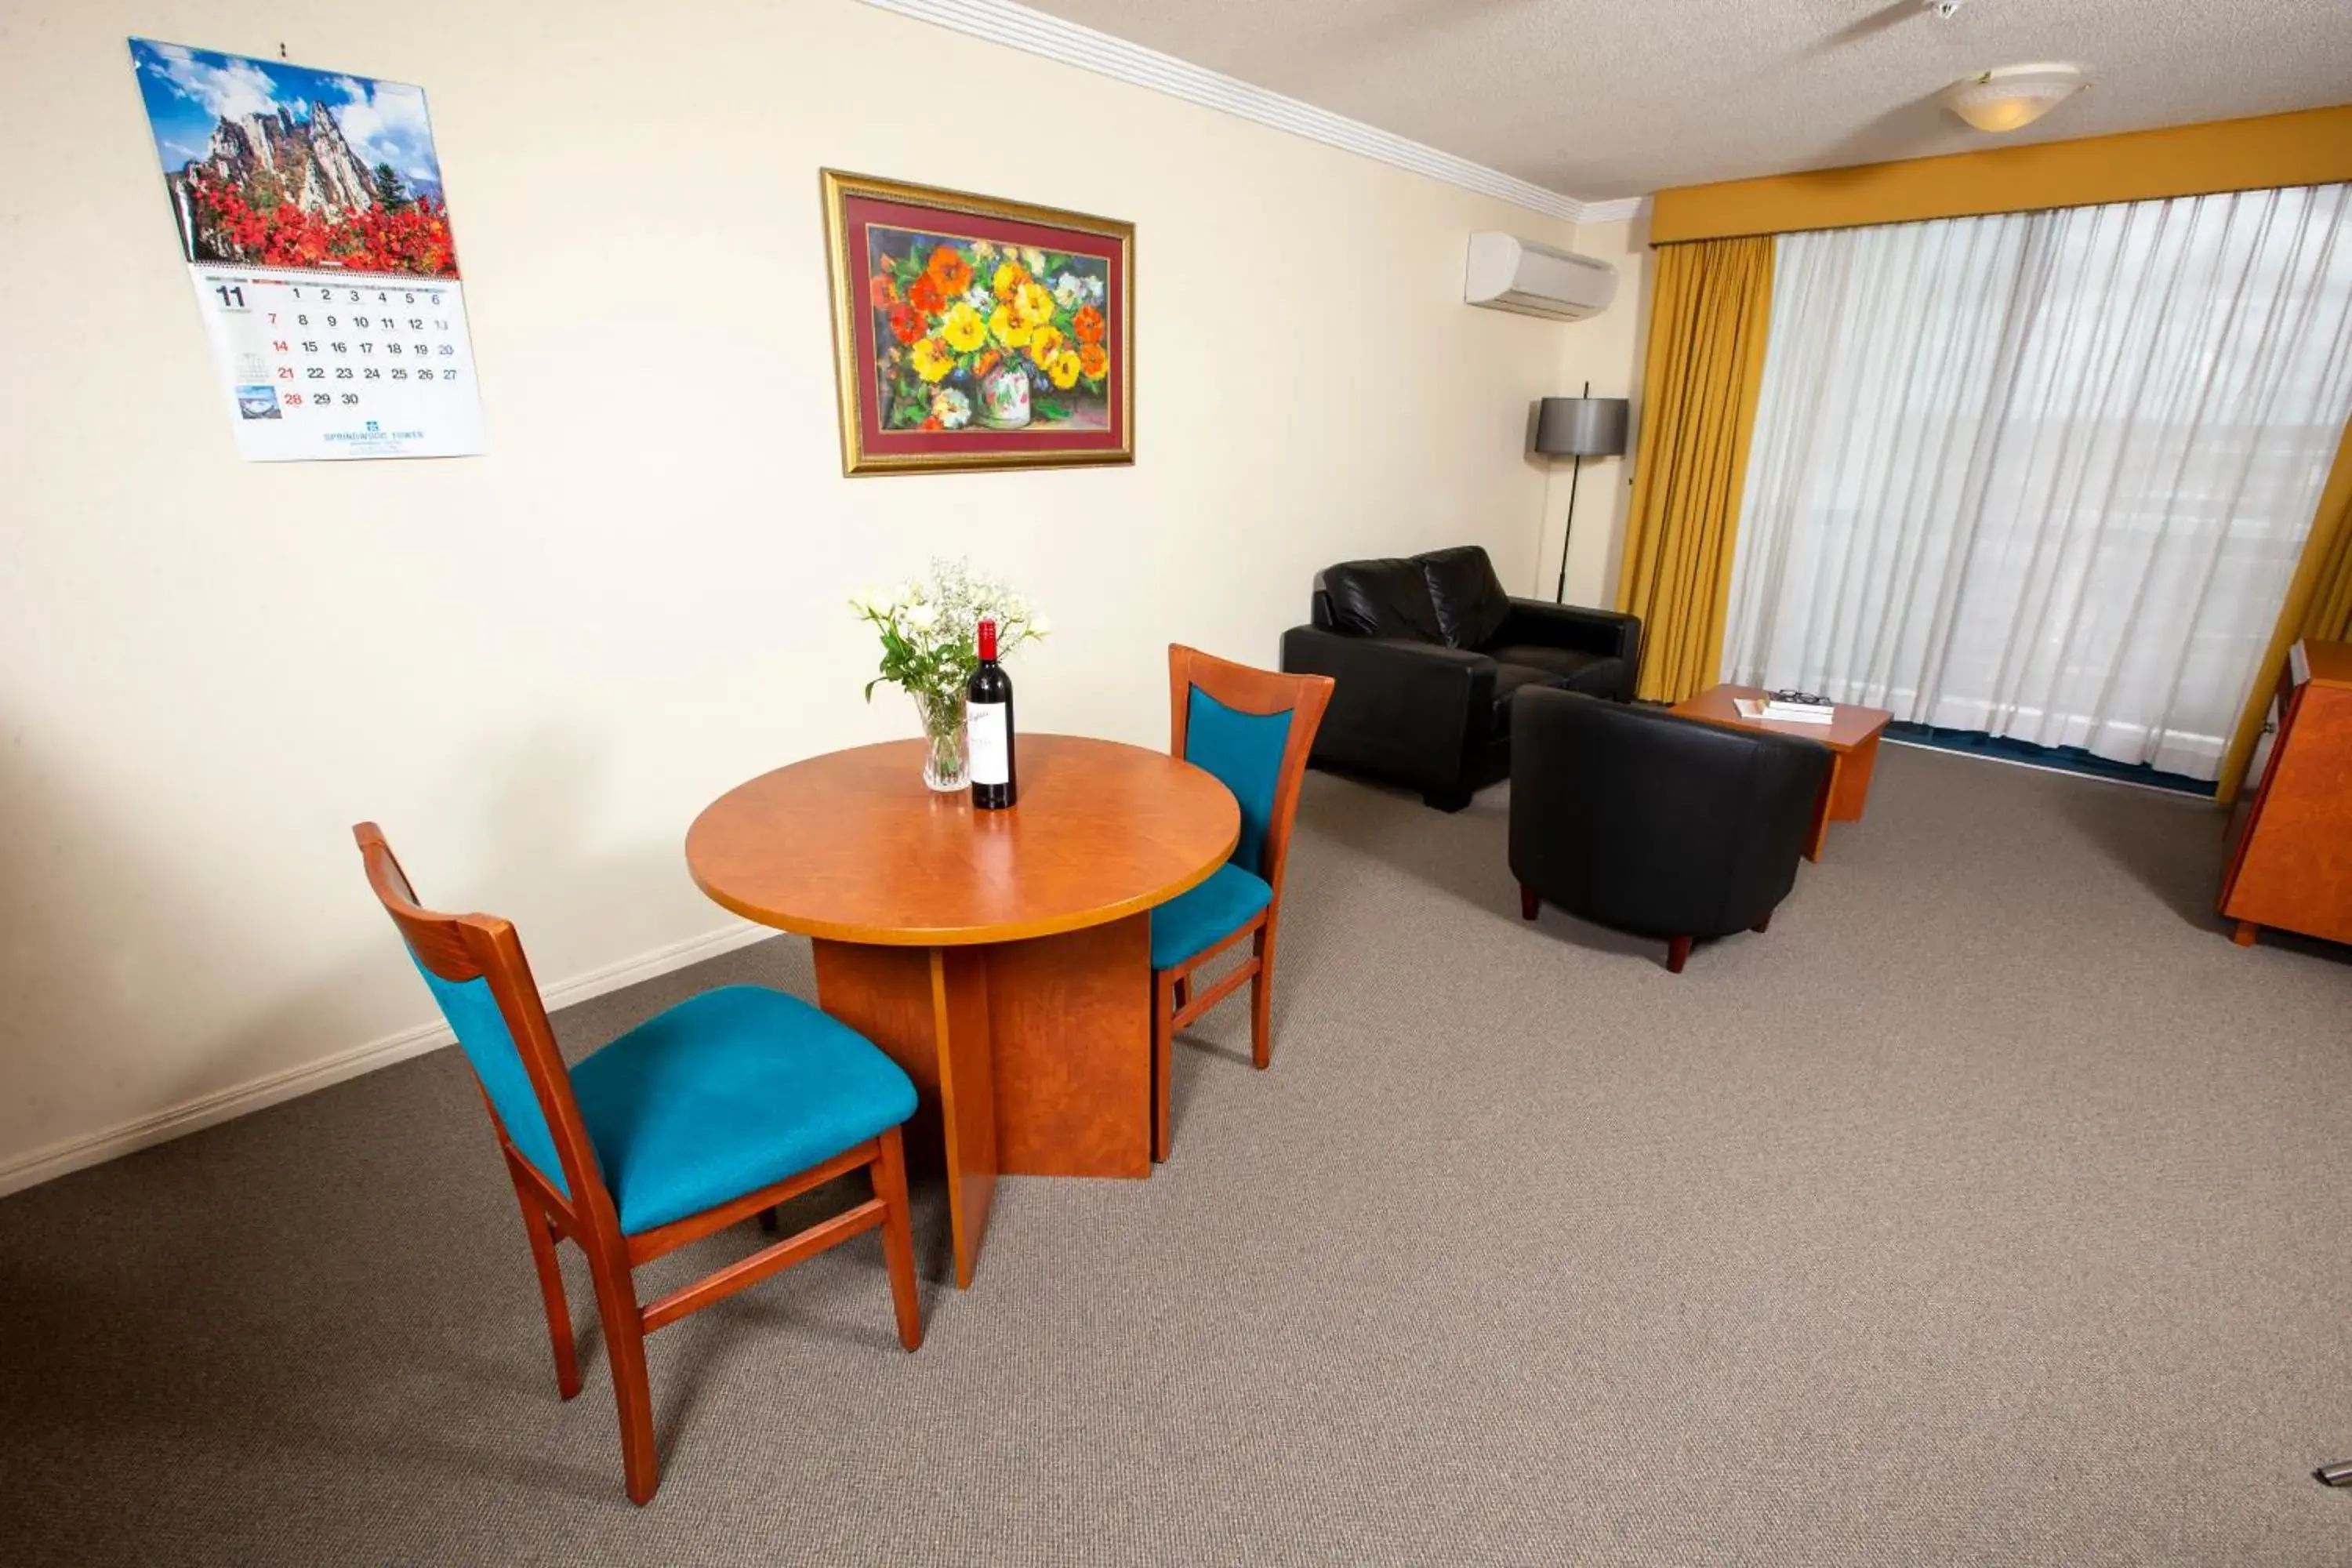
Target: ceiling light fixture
{"points": [[2009, 98]]}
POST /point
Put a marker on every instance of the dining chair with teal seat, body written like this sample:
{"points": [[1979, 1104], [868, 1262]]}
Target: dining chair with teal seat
{"points": [[1252, 727], [708, 1114]]}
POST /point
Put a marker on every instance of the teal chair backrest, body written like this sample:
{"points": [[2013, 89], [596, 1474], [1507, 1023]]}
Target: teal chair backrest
{"points": [[1244, 752], [470, 1006], [482, 1034]]}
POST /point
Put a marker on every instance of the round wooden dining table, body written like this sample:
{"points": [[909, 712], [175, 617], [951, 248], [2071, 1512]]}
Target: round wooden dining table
{"points": [[1002, 958]]}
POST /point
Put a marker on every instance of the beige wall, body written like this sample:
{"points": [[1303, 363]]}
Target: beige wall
{"points": [[1607, 351], [534, 666]]}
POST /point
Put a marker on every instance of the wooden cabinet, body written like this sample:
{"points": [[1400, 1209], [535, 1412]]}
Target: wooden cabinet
{"points": [[2291, 865]]}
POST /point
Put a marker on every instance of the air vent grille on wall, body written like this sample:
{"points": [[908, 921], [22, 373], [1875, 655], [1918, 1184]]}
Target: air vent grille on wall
{"points": [[1507, 273]]}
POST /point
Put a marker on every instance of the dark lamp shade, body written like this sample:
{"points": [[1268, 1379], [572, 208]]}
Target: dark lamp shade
{"points": [[1581, 426]]}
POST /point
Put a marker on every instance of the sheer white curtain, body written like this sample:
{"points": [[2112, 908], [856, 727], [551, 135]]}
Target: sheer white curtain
{"points": [[2045, 475]]}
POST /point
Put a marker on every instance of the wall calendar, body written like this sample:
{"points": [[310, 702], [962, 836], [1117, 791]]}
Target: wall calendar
{"points": [[312, 218]]}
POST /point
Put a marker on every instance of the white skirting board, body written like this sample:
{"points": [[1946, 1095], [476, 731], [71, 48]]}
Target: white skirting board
{"points": [[95, 1147]]}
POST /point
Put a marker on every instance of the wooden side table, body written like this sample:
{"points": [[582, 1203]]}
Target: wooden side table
{"points": [[1852, 738], [2291, 862], [1003, 958]]}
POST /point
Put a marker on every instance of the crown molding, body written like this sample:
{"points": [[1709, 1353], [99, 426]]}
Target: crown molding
{"points": [[1623, 209], [1019, 27]]}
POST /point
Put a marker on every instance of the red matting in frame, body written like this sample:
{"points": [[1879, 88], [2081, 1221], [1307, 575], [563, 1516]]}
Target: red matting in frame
{"points": [[858, 213]]}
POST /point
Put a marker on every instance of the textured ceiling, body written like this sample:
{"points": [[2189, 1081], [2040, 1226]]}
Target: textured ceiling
{"points": [[1612, 98]]}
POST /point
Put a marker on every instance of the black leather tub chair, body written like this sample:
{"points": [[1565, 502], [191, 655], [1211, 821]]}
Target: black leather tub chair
{"points": [[1660, 826]]}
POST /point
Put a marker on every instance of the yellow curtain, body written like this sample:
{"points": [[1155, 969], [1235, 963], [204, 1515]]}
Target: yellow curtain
{"points": [[2318, 604], [1711, 304]]}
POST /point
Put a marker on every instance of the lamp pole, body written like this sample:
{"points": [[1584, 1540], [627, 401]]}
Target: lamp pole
{"points": [[1575, 473]]}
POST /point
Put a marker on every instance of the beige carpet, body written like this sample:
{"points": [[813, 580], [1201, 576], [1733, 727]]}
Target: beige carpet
{"points": [[1983, 1212]]}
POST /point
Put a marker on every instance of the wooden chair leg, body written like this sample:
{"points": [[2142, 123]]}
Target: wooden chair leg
{"points": [[1184, 993], [770, 1220], [1530, 902], [1677, 954], [899, 1238], [1262, 1000], [1163, 1050], [625, 1344], [1764, 924], [551, 1292]]}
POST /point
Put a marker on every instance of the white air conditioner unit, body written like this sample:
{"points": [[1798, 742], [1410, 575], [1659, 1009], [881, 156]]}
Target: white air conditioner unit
{"points": [[1511, 273]]}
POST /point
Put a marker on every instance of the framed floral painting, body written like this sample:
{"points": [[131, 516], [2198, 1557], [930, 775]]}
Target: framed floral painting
{"points": [[976, 333]]}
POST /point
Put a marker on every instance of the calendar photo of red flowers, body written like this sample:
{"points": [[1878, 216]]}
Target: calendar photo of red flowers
{"points": [[972, 332], [272, 164]]}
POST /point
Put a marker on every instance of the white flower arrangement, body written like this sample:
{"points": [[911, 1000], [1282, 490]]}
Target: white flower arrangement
{"points": [[928, 628]]}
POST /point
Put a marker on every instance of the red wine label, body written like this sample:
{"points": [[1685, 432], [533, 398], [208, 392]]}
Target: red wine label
{"points": [[991, 762]]}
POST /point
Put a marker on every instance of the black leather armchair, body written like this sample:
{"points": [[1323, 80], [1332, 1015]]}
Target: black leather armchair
{"points": [[1661, 825], [1426, 653]]}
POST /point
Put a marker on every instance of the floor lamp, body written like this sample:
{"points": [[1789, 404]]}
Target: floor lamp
{"points": [[1579, 427]]}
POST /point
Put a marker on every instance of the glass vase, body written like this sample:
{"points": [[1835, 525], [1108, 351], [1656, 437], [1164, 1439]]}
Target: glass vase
{"points": [[946, 761]]}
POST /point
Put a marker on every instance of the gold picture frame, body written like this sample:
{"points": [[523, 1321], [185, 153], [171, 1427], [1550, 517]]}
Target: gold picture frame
{"points": [[974, 333]]}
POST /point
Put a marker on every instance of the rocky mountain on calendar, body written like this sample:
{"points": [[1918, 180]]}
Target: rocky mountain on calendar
{"points": [[271, 166], [274, 157], [273, 184]]}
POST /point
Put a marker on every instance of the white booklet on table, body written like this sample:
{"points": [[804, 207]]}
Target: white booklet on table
{"points": [[1754, 708]]}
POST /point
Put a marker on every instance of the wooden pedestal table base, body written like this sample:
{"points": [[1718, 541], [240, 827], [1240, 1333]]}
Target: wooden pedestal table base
{"points": [[1032, 1058], [1002, 958]]}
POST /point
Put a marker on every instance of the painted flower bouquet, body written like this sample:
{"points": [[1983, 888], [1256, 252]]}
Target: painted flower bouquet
{"points": [[973, 332], [928, 630]]}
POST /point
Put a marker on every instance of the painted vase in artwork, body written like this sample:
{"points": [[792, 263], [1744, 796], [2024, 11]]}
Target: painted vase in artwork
{"points": [[1004, 396]]}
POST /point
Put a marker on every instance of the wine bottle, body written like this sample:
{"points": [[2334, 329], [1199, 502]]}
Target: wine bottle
{"points": [[989, 708]]}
